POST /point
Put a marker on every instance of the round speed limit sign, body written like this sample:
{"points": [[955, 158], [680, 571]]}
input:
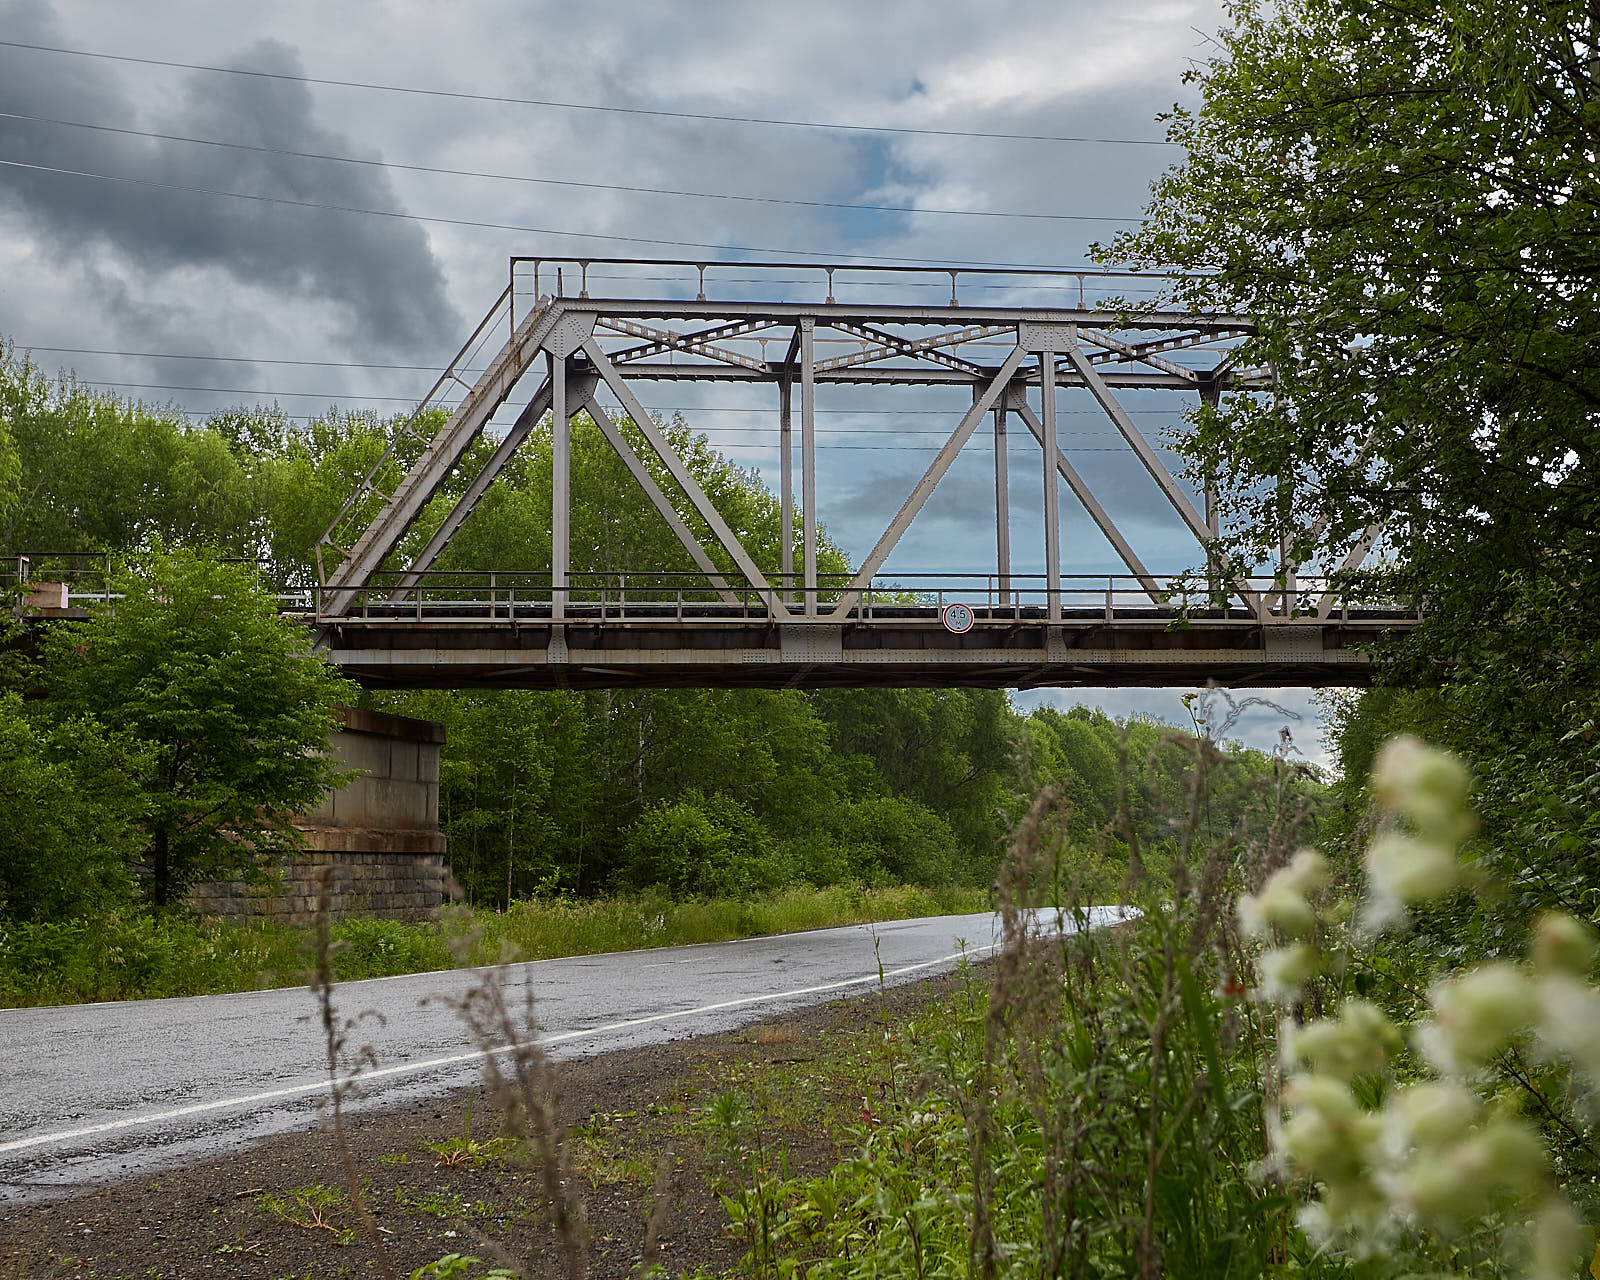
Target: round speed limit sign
{"points": [[957, 618]]}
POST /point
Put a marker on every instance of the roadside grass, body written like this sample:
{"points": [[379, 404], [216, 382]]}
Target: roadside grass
{"points": [[133, 956], [313, 1208]]}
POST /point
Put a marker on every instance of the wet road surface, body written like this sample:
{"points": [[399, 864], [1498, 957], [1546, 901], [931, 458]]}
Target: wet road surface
{"points": [[97, 1091]]}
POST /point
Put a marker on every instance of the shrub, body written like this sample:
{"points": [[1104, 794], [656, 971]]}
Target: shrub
{"points": [[702, 845]]}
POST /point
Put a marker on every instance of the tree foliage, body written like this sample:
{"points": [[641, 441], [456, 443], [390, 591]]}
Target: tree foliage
{"points": [[70, 805], [689, 791], [1403, 195], [232, 712]]}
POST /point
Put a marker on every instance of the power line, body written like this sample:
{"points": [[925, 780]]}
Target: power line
{"points": [[830, 126], [505, 226], [660, 408], [564, 182], [177, 355], [310, 364]]}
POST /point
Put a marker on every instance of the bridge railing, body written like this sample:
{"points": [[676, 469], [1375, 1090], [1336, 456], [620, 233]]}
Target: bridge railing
{"points": [[825, 283], [511, 596], [621, 596]]}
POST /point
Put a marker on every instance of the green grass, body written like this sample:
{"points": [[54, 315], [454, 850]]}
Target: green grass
{"points": [[132, 955]]}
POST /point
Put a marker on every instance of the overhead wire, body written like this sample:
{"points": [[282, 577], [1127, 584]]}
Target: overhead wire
{"points": [[502, 99], [566, 182], [660, 408], [506, 226]]}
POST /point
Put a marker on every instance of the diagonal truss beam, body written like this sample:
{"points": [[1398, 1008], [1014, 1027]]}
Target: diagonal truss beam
{"points": [[1128, 351], [930, 480], [1358, 554], [1081, 491], [1141, 447], [681, 473], [669, 513], [534, 410], [1139, 350], [442, 455], [736, 329], [917, 348], [920, 349], [683, 342], [1146, 455]]}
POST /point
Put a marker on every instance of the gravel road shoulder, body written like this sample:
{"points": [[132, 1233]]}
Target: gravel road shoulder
{"points": [[277, 1209]]}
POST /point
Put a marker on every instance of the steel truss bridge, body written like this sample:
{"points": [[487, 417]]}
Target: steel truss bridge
{"points": [[578, 329]]}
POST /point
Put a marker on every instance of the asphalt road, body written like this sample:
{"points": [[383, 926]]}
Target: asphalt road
{"points": [[95, 1091]]}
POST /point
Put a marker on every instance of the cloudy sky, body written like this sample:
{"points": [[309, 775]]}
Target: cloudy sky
{"points": [[147, 260]]}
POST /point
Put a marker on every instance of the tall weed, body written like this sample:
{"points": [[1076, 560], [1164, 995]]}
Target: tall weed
{"points": [[133, 955], [1097, 1110]]}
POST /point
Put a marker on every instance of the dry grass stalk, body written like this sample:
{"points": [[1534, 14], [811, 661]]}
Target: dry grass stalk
{"points": [[1060, 1006], [335, 1036], [650, 1255], [520, 1081]]}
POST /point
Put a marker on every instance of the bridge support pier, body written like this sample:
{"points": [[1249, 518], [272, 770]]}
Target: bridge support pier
{"points": [[379, 835]]}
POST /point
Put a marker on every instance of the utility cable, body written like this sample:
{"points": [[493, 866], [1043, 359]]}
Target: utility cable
{"points": [[830, 126], [565, 182], [506, 226]]}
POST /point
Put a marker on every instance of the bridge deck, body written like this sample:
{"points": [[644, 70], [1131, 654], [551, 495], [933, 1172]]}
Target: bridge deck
{"points": [[904, 646]]}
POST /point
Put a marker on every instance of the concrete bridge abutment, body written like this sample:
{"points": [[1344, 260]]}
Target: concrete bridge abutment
{"points": [[379, 833]]}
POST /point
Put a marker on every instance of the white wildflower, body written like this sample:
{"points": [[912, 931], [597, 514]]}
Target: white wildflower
{"points": [[1282, 903], [1402, 870], [1328, 1133], [1557, 1242], [1476, 1014], [1429, 786], [1563, 944], [1306, 873], [1285, 970], [1510, 1154], [1435, 1114], [1569, 1021], [1357, 1042], [1276, 907]]}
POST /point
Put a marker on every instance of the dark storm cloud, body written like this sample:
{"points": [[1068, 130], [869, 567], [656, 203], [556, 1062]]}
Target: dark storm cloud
{"points": [[379, 273]]}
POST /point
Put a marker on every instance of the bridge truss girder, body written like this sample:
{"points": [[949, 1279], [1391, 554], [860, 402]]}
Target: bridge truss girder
{"points": [[1012, 358]]}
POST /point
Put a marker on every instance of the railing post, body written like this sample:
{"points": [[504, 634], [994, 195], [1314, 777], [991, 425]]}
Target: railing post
{"points": [[1110, 606]]}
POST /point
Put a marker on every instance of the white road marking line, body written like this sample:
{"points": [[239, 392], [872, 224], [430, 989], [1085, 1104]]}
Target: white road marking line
{"points": [[474, 1055]]}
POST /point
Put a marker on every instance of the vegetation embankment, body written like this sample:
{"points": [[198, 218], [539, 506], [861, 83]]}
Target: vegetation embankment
{"points": [[1234, 1084], [139, 955], [169, 740]]}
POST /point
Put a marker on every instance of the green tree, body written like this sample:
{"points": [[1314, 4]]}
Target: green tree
{"points": [[700, 845], [70, 805], [193, 660], [948, 749], [1402, 193], [98, 474]]}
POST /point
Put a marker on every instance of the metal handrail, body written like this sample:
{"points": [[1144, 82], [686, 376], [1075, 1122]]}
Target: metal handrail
{"points": [[825, 271], [440, 595]]}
